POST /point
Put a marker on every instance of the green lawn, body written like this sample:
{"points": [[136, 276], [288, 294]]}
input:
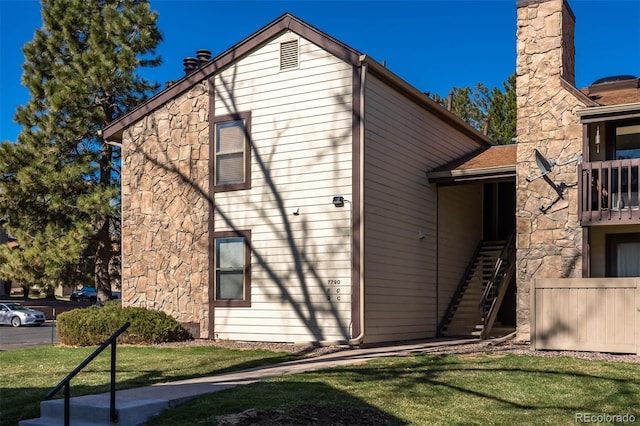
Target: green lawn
{"points": [[422, 389], [439, 389], [28, 374]]}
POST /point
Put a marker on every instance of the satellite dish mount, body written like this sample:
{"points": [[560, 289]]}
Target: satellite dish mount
{"points": [[545, 166]]}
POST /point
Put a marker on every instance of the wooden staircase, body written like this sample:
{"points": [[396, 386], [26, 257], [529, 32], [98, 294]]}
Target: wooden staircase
{"points": [[473, 309]]}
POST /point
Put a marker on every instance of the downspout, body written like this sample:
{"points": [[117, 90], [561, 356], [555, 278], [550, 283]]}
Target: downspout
{"points": [[437, 261], [356, 341]]}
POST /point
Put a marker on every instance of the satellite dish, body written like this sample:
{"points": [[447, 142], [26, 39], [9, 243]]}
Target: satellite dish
{"points": [[546, 166], [543, 164]]}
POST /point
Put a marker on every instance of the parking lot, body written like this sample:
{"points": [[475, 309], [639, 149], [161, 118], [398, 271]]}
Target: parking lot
{"points": [[26, 337]]}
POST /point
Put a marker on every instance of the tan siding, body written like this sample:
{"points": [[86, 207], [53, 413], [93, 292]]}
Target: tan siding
{"points": [[402, 142], [301, 135], [460, 224]]}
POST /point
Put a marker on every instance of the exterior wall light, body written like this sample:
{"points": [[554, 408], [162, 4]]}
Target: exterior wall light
{"points": [[338, 201]]}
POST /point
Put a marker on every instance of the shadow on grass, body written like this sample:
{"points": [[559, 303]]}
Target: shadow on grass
{"points": [[436, 389], [20, 403], [499, 380], [512, 384], [279, 403]]}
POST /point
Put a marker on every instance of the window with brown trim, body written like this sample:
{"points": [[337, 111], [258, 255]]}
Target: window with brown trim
{"points": [[232, 266], [232, 152]]}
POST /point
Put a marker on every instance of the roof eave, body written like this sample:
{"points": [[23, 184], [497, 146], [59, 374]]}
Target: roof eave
{"points": [[408, 90], [287, 22], [472, 175], [609, 112]]}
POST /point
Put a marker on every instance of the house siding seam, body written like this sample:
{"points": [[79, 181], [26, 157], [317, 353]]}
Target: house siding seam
{"points": [[402, 141]]}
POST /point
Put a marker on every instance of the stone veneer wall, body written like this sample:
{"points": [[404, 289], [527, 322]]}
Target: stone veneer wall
{"points": [[548, 245], [165, 210]]}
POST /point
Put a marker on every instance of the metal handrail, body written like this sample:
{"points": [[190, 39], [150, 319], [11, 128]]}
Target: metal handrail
{"points": [[66, 381]]}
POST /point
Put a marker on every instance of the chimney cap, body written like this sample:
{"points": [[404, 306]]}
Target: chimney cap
{"points": [[203, 55], [190, 64]]}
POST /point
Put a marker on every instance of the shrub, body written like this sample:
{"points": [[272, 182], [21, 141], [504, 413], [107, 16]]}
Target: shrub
{"points": [[92, 326]]}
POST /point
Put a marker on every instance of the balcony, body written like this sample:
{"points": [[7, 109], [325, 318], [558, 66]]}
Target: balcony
{"points": [[609, 192]]}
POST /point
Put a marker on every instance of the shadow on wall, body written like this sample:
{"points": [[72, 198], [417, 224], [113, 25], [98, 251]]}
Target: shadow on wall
{"points": [[302, 268], [575, 314]]}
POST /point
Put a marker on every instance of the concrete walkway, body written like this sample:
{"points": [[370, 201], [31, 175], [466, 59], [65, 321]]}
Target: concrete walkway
{"points": [[136, 405]]}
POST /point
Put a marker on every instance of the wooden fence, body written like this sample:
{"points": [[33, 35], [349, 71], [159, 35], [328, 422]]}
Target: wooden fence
{"points": [[586, 314]]}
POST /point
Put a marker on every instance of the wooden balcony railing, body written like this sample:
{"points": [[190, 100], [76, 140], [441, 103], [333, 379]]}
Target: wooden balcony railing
{"points": [[609, 192]]}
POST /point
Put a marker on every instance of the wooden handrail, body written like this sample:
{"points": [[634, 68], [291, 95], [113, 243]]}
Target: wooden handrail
{"points": [[497, 285], [66, 381], [504, 255], [609, 190]]}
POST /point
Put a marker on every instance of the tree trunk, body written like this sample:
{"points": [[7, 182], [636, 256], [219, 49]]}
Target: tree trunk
{"points": [[103, 249], [50, 293], [103, 258], [5, 290]]}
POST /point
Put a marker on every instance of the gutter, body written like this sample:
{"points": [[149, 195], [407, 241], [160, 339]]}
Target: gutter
{"points": [[470, 174], [357, 341], [599, 113]]}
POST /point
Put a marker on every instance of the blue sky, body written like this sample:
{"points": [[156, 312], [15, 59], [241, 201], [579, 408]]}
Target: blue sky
{"points": [[433, 44]]}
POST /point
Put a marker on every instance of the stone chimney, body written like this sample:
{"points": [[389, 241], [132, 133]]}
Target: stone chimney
{"points": [[549, 239], [546, 34]]}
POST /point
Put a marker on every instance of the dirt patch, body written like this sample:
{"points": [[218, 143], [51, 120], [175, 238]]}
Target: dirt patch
{"points": [[524, 348], [300, 349], [307, 414]]}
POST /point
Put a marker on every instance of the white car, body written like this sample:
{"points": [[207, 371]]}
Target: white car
{"points": [[17, 315]]}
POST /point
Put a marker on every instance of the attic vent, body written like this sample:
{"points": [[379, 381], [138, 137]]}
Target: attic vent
{"points": [[289, 55]]}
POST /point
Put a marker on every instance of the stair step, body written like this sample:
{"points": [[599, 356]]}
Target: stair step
{"points": [[94, 410], [461, 326], [466, 316], [467, 308], [469, 304], [466, 312]]}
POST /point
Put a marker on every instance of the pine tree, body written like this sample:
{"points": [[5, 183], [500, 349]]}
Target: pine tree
{"points": [[479, 107], [502, 112], [59, 192]]}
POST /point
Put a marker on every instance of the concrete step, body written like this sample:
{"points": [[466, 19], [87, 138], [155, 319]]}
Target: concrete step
{"points": [[94, 410]]}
